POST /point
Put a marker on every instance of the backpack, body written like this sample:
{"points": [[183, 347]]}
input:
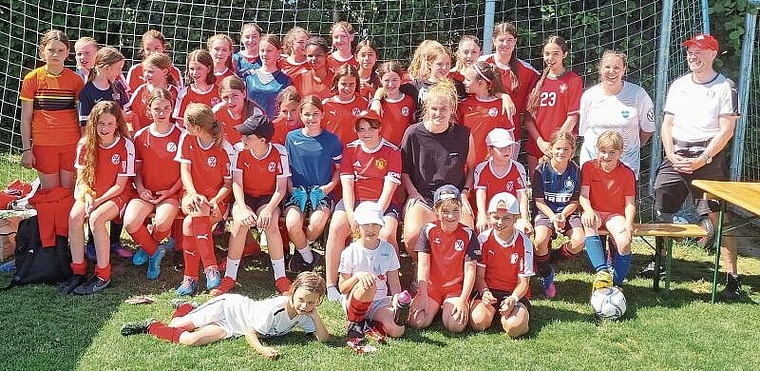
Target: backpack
{"points": [[38, 264]]}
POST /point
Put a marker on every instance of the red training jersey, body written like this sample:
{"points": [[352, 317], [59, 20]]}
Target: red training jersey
{"points": [[209, 166], [505, 261], [512, 181], [260, 175], [135, 77], [55, 120], [481, 116], [334, 63], [155, 153], [114, 161], [138, 104], [191, 94], [229, 119], [340, 117], [282, 128], [448, 253], [370, 169], [307, 83], [398, 115], [290, 69], [608, 190], [559, 98]]}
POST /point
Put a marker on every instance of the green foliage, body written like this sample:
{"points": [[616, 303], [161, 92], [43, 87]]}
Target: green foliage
{"points": [[727, 19]]}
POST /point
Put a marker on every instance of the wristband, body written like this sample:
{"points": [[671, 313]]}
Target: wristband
{"points": [[515, 297], [25, 150]]}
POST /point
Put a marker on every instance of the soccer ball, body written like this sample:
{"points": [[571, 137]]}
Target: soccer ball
{"points": [[608, 303]]}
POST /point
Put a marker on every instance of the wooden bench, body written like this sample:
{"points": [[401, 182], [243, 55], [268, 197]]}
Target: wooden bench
{"points": [[664, 233]]}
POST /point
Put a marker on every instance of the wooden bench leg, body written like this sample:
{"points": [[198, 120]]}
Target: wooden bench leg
{"points": [[658, 245], [668, 264], [718, 242]]}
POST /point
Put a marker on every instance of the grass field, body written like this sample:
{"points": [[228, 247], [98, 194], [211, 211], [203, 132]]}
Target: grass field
{"points": [[43, 330]]}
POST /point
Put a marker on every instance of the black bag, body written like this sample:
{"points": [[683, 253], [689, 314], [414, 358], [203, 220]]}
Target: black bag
{"points": [[38, 264]]}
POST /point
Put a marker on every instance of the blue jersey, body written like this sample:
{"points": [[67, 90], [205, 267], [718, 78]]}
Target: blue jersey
{"points": [[557, 190], [266, 94], [91, 95], [243, 64], [313, 159]]}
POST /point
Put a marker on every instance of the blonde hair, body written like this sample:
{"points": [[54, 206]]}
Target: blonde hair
{"points": [[311, 282], [560, 136], [610, 139], [443, 89], [201, 116], [228, 40], [91, 140], [86, 40], [418, 67], [162, 62], [104, 58], [459, 66], [342, 25], [290, 38]]}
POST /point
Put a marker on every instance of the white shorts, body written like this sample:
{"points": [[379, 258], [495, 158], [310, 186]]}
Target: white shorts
{"points": [[376, 305], [212, 312]]}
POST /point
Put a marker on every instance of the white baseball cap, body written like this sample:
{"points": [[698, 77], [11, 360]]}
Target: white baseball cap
{"points": [[500, 138], [368, 213], [504, 202]]}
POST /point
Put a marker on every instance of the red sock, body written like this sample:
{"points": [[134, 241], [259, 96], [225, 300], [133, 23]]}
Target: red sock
{"points": [[164, 332], [159, 236], [543, 265], [145, 240], [79, 268], [182, 310], [204, 240], [192, 260], [103, 273], [357, 310], [179, 237], [562, 253]]}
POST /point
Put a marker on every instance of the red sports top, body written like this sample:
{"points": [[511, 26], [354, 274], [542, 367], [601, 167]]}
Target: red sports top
{"points": [[370, 169], [448, 253], [505, 261], [559, 98], [189, 95], [55, 120], [209, 166], [260, 175], [156, 152], [511, 182], [114, 161], [339, 117], [527, 76], [482, 116], [607, 191], [397, 117], [307, 83], [138, 104], [135, 77]]}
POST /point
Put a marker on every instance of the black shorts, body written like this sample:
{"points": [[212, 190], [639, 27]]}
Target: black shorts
{"points": [[392, 210], [256, 202], [672, 187], [501, 295]]}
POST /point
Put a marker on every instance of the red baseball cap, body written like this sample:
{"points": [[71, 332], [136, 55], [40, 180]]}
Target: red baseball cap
{"points": [[703, 41]]}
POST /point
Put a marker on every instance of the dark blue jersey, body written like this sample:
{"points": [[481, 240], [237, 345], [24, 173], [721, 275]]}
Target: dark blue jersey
{"points": [[557, 190]]}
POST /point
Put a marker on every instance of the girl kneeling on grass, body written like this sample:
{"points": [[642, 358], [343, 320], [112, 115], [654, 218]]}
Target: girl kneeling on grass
{"points": [[447, 252], [105, 163], [205, 159], [504, 270], [232, 315]]}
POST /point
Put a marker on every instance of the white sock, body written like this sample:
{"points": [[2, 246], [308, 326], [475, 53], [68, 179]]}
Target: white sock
{"points": [[307, 255], [231, 270], [279, 268]]}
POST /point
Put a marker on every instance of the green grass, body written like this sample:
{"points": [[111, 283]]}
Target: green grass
{"points": [[43, 330]]}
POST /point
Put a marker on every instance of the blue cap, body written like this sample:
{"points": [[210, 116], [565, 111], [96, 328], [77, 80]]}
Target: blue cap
{"points": [[445, 192]]}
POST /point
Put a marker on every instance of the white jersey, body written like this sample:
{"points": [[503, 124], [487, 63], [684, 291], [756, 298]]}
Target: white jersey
{"points": [[696, 108], [356, 258], [236, 314], [628, 112]]}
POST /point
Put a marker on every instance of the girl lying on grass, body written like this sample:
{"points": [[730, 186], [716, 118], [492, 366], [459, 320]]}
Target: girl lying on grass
{"points": [[232, 315]]}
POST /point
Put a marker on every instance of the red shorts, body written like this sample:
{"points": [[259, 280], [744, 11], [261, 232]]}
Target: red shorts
{"points": [[123, 199], [439, 294], [53, 159]]}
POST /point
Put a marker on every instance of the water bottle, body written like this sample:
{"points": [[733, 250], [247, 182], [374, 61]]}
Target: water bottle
{"points": [[401, 311]]}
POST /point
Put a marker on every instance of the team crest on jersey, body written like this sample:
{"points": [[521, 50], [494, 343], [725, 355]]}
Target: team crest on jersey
{"points": [[171, 147], [513, 258], [272, 167], [569, 183], [493, 111], [562, 88], [115, 159], [381, 163], [510, 186], [211, 162], [459, 245], [711, 94], [625, 113], [405, 111], [215, 101], [355, 111]]}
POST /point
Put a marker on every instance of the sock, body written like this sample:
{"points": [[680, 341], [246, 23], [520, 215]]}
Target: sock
{"points": [[115, 232], [191, 258], [204, 240], [595, 253], [543, 265], [159, 236], [278, 266], [357, 310], [177, 234], [561, 254], [231, 270], [182, 310], [145, 240], [164, 332], [622, 265], [79, 268], [103, 273], [307, 255]]}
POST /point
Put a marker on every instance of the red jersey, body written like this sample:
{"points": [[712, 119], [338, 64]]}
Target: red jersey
{"points": [[307, 83], [209, 166], [156, 152], [369, 86], [505, 261], [281, 130], [482, 116], [513, 181], [448, 253], [527, 77], [370, 169], [260, 175], [607, 191], [114, 161], [135, 77], [229, 121], [223, 74], [55, 120], [398, 115], [190, 94], [290, 69], [334, 63], [138, 104], [456, 76], [340, 117], [559, 98]]}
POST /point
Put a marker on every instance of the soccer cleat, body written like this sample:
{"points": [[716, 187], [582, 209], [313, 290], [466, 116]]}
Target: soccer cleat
{"points": [[296, 264], [140, 257], [374, 330], [119, 250], [169, 244], [603, 279], [733, 289], [134, 328], [332, 293], [224, 287], [92, 286], [355, 332], [213, 277], [154, 263], [282, 285], [188, 286], [550, 290], [648, 271], [66, 287]]}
